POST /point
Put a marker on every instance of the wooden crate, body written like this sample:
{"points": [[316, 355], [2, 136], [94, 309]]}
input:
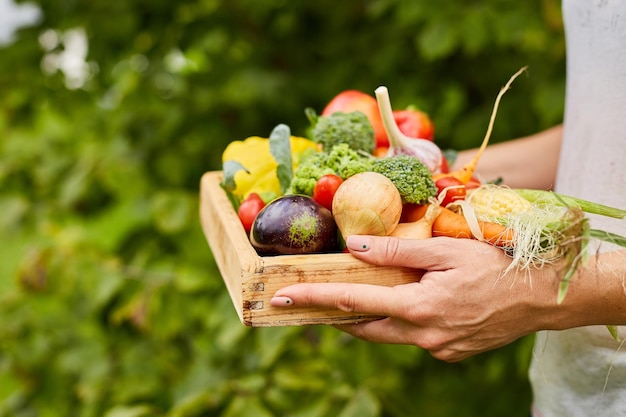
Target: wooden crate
{"points": [[251, 279]]}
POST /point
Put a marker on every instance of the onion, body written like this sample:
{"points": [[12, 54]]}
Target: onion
{"points": [[367, 203]]}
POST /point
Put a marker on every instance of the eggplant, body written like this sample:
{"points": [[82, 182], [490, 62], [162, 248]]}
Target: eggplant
{"points": [[294, 224]]}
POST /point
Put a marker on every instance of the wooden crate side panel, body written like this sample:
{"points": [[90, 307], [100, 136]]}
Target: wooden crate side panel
{"points": [[281, 271], [235, 257]]}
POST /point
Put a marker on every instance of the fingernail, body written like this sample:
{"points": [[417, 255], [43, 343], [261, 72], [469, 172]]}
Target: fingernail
{"points": [[358, 243], [281, 302]]}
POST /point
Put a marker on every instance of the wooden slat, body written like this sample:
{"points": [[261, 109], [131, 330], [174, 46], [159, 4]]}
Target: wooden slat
{"points": [[281, 271], [235, 257]]}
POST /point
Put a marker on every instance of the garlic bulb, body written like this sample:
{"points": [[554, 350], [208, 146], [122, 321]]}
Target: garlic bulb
{"points": [[424, 149]]}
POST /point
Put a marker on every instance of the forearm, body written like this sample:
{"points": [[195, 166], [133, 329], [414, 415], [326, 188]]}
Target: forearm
{"points": [[596, 294], [529, 162]]}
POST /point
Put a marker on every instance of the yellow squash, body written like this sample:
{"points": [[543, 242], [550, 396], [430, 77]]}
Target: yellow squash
{"points": [[254, 154]]}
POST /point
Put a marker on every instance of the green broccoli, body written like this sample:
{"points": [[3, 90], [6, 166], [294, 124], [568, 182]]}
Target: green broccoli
{"points": [[340, 160], [352, 128], [308, 172], [411, 177], [346, 161]]}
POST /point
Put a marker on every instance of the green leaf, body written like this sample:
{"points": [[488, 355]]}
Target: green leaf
{"points": [[613, 331], [112, 226], [573, 260], [280, 148], [229, 169], [311, 115], [130, 411], [437, 40], [246, 406], [608, 237], [551, 197], [172, 211], [363, 404], [272, 342]]}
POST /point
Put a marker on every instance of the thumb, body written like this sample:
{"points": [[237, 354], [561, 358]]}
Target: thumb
{"points": [[437, 253]]}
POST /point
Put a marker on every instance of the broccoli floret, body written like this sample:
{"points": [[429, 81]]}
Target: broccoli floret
{"points": [[411, 177], [352, 128], [346, 161], [308, 172], [340, 160]]}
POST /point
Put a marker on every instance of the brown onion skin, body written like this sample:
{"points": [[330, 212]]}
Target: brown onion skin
{"points": [[367, 203]]}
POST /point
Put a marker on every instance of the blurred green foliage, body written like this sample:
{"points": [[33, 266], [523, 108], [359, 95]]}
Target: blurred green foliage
{"points": [[110, 302]]}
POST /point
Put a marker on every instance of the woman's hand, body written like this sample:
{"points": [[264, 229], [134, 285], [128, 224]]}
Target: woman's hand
{"points": [[463, 304]]}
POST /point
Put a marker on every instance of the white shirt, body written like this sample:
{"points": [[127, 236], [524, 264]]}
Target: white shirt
{"points": [[582, 372]]}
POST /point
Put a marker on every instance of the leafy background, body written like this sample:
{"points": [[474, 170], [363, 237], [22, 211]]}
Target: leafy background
{"points": [[110, 301]]}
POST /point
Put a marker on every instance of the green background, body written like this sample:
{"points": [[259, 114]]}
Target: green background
{"points": [[110, 301]]}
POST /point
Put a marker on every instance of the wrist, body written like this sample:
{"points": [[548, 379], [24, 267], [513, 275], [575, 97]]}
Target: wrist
{"points": [[596, 294]]}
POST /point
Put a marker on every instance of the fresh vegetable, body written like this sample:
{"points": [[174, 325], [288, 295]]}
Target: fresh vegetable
{"points": [[325, 189], [341, 160], [551, 197], [367, 204], [495, 202], [547, 226], [445, 165], [354, 100], [380, 152], [411, 212], [450, 189], [280, 148], [472, 183], [451, 224], [294, 224], [410, 176], [400, 144], [421, 228], [389, 189], [353, 129], [534, 227], [251, 165], [414, 123], [248, 209], [466, 173]]}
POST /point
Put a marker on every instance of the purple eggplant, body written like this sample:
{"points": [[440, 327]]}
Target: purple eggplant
{"points": [[294, 224]]}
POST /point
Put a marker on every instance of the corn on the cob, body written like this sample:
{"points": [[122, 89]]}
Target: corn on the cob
{"points": [[496, 202]]}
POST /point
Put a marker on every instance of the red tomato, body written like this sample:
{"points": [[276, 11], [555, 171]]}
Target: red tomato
{"points": [[453, 187], [445, 167], [411, 212], [414, 124], [325, 189], [473, 183], [248, 209]]}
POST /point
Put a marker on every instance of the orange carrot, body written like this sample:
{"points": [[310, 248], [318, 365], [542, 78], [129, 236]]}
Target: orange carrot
{"points": [[451, 224]]}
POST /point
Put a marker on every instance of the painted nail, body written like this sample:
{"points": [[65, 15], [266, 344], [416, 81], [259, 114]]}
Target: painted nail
{"points": [[358, 243], [281, 302]]}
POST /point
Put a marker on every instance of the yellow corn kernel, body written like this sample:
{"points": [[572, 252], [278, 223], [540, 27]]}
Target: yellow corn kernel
{"points": [[493, 202]]}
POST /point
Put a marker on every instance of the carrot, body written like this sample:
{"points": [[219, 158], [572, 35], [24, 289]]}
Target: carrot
{"points": [[451, 224], [421, 228], [466, 173]]}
